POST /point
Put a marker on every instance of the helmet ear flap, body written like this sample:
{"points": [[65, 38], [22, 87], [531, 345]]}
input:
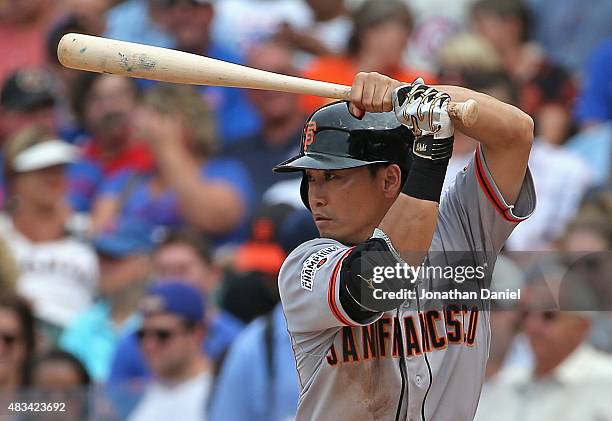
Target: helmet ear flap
{"points": [[304, 190]]}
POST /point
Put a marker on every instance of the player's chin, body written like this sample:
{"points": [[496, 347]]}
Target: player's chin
{"points": [[334, 234], [328, 228]]}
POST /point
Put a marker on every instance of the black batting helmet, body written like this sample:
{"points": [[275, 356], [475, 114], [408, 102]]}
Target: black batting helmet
{"points": [[334, 139]]}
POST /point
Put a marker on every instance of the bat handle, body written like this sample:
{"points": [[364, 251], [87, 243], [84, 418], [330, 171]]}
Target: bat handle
{"points": [[466, 112]]}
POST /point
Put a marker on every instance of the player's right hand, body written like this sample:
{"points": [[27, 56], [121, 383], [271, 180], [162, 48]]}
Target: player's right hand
{"points": [[372, 92]]}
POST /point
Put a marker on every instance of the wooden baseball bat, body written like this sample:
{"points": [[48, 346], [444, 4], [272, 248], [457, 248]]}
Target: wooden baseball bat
{"points": [[103, 55]]}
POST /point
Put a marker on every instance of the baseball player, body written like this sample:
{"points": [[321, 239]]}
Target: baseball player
{"points": [[372, 180]]}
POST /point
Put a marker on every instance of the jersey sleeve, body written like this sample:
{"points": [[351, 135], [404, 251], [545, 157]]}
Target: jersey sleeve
{"points": [[473, 213], [309, 284]]}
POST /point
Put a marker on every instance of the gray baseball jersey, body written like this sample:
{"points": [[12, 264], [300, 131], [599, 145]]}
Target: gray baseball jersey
{"points": [[419, 362]]}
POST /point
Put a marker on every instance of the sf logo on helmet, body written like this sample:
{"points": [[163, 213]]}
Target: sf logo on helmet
{"points": [[309, 134]]}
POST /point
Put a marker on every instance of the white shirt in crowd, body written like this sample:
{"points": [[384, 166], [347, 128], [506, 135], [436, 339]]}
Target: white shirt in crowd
{"points": [[59, 277], [561, 179], [578, 389], [255, 20], [186, 401], [435, 22]]}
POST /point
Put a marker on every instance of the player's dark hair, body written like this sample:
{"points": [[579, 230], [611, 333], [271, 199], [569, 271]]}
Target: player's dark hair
{"points": [[507, 9], [374, 168], [190, 238], [22, 310]]}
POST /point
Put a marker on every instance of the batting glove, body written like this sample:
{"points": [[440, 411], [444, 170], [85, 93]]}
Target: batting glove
{"points": [[424, 110]]}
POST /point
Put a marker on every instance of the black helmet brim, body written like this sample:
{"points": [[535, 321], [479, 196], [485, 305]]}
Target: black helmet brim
{"points": [[321, 161]]}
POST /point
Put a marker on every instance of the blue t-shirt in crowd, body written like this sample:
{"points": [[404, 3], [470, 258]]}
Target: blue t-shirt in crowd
{"points": [[595, 100], [163, 209], [561, 28], [128, 363], [595, 147], [130, 21], [245, 369], [260, 157], [236, 116], [84, 179]]}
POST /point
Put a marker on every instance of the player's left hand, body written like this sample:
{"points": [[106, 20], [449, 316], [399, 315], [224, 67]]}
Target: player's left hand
{"points": [[372, 92]]}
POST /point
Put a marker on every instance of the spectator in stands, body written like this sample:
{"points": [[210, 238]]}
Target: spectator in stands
{"points": [[65, 78], [124, 273], [381, 33], [466, 56], [594, 115], [103, 105], [435, 23], [27, 98], [282, 120], [17, 344], [261, 365], [170, 337], [565, 365], [588, 241], [189, 185], [186, 25], [58, 271], [189, 22], [253, 21], [594, 104], [562, 177], [260, 361], [546, 90], [8, 268], [568, 30], [22, 33], [505, 319], [59, 377], [90, 14], [139, 21], [183, 256], [327, 34]]}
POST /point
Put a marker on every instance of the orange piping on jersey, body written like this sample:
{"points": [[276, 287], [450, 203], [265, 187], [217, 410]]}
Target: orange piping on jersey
{"points": [[331, 292], [490, 192]]}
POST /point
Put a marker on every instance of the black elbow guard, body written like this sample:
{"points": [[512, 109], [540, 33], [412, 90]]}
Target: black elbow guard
{"points": [[358, 284]]}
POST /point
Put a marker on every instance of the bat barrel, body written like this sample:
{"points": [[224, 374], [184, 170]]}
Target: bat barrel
{"points": [[102, 55]]}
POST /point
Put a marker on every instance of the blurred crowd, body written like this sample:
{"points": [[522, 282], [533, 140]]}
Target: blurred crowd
{"points": [[142, 229]]}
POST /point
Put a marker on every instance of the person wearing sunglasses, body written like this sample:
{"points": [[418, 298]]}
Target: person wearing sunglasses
{"points": [[17, 344], [569, 379], [170, 338]]}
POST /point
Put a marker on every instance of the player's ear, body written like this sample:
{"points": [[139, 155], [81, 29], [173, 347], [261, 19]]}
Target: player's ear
{"points": [[391, 180]]}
